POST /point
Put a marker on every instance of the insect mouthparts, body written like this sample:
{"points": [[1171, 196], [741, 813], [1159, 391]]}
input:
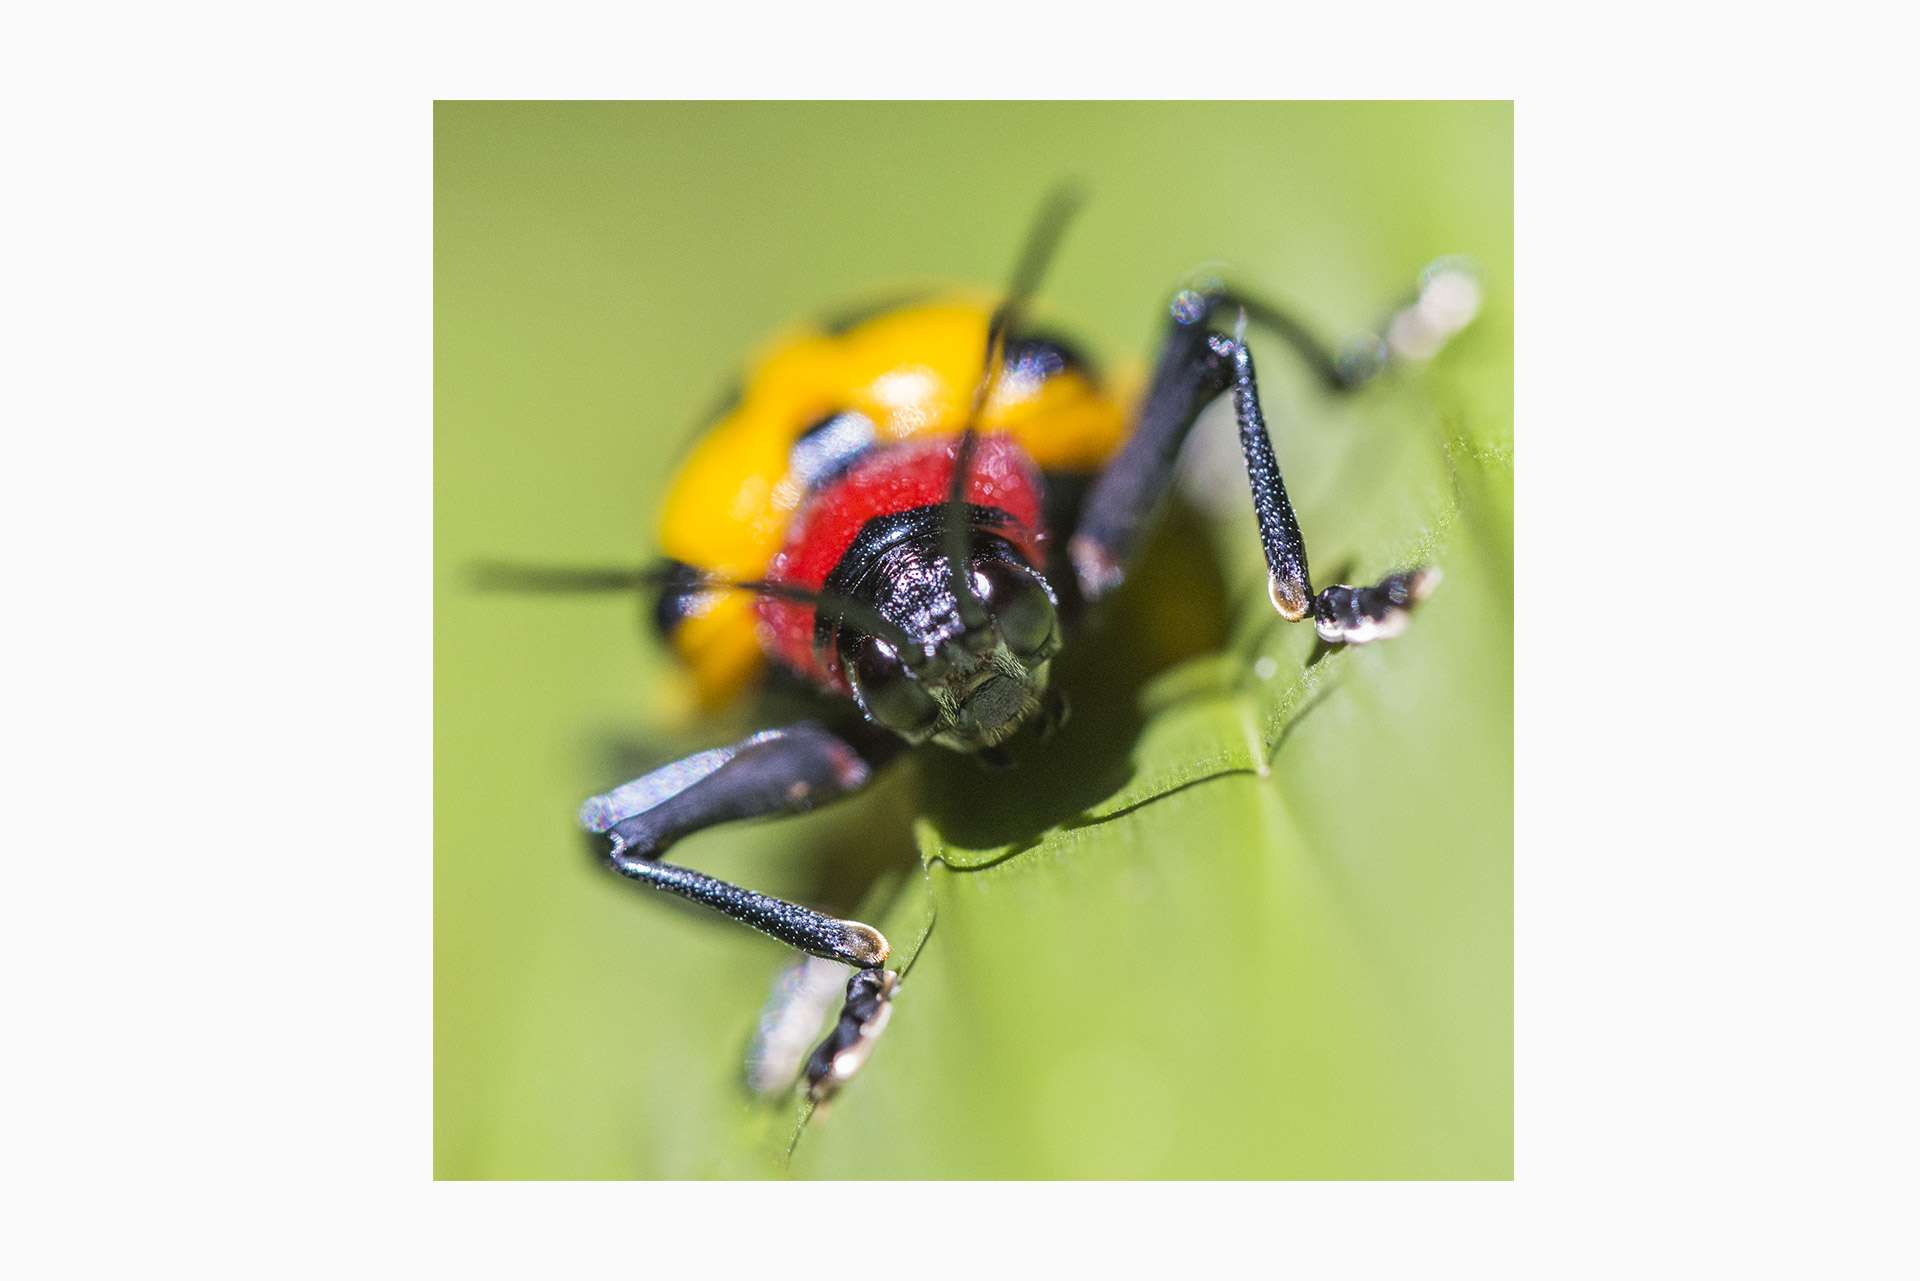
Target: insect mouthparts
{"points": [[997, 702]]}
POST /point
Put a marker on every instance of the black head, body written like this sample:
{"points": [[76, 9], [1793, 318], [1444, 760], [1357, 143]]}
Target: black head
{"points": [[972, 625], [964, 687]]}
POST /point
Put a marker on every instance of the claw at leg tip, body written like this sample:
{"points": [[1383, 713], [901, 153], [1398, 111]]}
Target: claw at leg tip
{"points": [[869, 1006]]}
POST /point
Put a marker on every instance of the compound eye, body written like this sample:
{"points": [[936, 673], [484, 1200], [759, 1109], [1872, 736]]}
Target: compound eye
{"points": [[1020, 603], [894, 698]]}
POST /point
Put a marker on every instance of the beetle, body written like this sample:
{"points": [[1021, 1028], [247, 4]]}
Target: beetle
{"points": [[909, 509]]}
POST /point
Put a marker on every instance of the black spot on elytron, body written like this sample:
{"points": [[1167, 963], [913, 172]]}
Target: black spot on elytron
{"points": [[677, 595], [831, 445], [1043, 356]]}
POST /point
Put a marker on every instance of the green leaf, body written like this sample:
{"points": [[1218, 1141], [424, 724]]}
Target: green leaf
{"points": [[1248, 916], [1281, 948]]}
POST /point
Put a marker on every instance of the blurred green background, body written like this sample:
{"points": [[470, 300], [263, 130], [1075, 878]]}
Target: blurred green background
{"points": [[1251, 916]]}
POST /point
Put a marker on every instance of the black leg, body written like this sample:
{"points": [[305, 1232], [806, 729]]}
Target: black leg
{"points": [[1443, 301], [1351, 366], [1121, 501], [863, 1016], [783, 771], [1196, 365], [791, 1019]]}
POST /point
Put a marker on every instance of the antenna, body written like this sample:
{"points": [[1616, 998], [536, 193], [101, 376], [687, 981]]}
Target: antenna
{"points": [[1043, 239], [501, 576]]}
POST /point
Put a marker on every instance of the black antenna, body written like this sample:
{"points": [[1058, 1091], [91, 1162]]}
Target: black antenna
{"points": [[499, 576], [1042, 240]]}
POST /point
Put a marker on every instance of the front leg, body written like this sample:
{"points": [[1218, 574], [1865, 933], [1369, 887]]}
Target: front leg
{"points": [[781, 771], [1196, 365]]}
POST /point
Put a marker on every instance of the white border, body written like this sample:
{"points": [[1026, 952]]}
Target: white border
{"points": [[219, 677]]}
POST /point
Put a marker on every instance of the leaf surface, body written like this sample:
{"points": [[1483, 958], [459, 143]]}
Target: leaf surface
{"points": [[1249, 916]]}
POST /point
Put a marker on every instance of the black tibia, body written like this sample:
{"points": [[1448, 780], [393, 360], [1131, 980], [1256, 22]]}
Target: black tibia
{"points": [[1287, 578], [1196, 365], [1122, 501], [782, 771], [862, 1019], [796, 926]]}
